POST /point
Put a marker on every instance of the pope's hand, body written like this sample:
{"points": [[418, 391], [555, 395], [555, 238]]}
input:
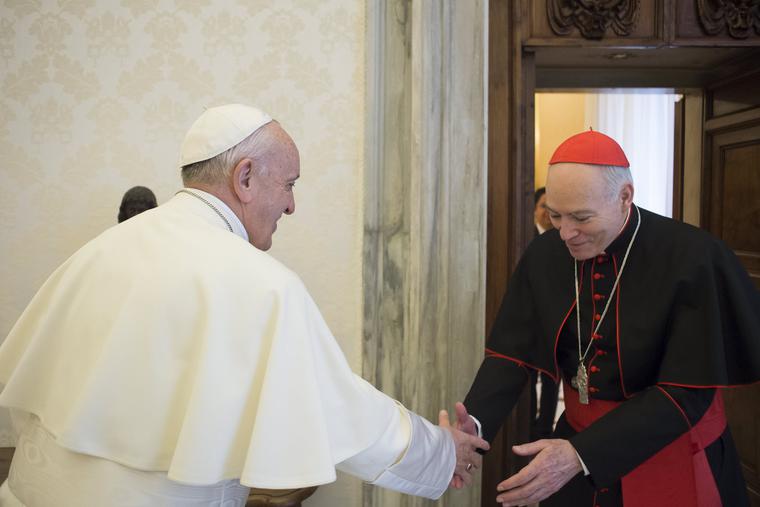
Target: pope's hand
{"points": [[554, 465], [466, 446]]}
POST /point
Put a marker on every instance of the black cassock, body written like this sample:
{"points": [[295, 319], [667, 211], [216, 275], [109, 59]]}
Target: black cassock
{"points": [[684, 320]]}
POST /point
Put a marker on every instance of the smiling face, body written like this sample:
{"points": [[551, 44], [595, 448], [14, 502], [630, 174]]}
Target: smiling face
{"points": [[273, 197], [265, 185], [588, 214]]}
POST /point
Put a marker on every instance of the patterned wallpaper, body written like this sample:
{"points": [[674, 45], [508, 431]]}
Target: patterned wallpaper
{"points": [[95, 96]]}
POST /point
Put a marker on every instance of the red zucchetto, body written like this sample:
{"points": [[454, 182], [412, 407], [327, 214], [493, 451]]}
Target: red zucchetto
{"points": [[590, 148]]}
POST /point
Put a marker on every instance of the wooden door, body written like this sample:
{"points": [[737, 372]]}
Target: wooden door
{"points": [[731, 211]]}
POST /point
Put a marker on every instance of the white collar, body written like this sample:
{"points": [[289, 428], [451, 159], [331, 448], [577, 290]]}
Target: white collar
{"points": [[219, 205]]}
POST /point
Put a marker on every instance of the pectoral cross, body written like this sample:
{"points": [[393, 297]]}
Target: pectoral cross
{"points": [[580, 382]]}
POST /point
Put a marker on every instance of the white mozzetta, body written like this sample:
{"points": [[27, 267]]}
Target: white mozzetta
{"points": [[169, 344]]}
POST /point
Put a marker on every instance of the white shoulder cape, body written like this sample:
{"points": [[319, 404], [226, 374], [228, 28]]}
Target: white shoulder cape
{"points": [[169, 344]]}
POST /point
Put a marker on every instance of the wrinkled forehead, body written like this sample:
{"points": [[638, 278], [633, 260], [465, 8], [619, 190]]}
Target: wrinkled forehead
{"points": [[571, 187], [282, 154], [290, 165]]}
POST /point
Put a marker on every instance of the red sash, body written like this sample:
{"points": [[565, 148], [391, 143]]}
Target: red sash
{"points": [[679, 474]]}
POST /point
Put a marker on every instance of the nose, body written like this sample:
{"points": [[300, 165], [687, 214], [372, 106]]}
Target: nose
{"points": [[291, 205], [566, 231]]}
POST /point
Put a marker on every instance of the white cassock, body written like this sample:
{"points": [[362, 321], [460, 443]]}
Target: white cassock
{"points": [[168, 362]]}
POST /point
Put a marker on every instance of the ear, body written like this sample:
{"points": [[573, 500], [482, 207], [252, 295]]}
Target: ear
{"points": [[243, 180], [626, 195]]}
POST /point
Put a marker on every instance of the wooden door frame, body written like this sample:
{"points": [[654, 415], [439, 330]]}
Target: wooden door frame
{"points": [[511, 86]]}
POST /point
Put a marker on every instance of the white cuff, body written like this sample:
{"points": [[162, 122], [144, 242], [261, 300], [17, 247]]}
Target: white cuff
{"points": [[477, 423], [388, 450], [585, 469], [428, 465]]}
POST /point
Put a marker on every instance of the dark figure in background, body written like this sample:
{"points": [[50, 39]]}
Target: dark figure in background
{"points": [[542, 424], [540, 214], [135, 201]]}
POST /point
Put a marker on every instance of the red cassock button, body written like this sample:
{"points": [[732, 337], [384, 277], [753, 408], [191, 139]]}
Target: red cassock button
{"points": [[594, 369], [598, 276], [593, 390], [601, 258], [601, 353], [598, 297], [596, 336], [598, 316]]}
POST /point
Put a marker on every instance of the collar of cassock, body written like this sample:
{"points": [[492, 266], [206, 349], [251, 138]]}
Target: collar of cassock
{"points": [[620, 243], [219, 205]]}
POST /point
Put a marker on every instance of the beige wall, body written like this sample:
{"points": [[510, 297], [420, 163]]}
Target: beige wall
{"points": [[558, 116], [95, 97]]}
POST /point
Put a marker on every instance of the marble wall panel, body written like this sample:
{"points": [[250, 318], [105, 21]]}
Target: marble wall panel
{"points": [[425, 208]]}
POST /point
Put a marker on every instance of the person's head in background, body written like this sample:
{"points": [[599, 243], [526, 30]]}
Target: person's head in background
{"points": [[540, 213], [135, 201]]}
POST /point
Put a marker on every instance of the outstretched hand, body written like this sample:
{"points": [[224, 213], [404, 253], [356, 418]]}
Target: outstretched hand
{"points": [[464, 421], [554, 465], [466, 445]]}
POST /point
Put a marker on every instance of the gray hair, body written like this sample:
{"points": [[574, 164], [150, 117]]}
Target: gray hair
{"points": [[217, 169], [615, 177]]}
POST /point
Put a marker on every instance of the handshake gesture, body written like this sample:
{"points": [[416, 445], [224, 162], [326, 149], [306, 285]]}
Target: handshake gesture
{"points": [[555, 463], [466, 443]]}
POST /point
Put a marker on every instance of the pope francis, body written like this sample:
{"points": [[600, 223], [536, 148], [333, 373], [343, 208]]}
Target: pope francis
{"points": [[171, 361]]}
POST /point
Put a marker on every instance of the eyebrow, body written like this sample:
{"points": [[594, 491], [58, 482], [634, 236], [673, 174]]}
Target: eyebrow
{"points": [[578, 212]]}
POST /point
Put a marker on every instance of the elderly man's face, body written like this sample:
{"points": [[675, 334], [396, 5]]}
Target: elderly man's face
{"points": [[274, 188], [581, 209]]}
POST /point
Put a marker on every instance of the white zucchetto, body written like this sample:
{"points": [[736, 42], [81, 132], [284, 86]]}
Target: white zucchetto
{"points": [[218, 129]]}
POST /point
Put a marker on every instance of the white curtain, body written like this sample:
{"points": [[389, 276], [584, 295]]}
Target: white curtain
{"points": [[642, 123]]}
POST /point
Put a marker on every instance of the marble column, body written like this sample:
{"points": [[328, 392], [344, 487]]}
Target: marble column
{"points": [[425, 208]]}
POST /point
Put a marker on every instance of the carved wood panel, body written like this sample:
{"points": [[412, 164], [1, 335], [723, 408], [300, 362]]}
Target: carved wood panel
{"points": [[739, 18], [641, 23], [594, 22], [594, 18], [716, 22]]}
